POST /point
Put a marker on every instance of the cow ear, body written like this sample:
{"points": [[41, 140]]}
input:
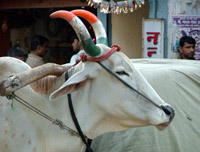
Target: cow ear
{"points": [[74, 83]]}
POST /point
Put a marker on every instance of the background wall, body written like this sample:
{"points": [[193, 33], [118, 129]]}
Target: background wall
{"points": [[127, 31], [187, 10]]}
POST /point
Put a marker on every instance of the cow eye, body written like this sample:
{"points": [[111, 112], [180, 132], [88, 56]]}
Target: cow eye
{"points": [[122, 73]]}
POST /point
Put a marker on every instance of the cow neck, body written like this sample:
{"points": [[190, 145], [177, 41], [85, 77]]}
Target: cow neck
{"points": [[84, 138]]}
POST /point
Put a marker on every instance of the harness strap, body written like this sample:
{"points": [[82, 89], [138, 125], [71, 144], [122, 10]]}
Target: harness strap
{"points": [[88, 148], [83, 137], [128, 85]]}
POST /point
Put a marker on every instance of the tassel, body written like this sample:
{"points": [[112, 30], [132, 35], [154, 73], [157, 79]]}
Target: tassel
{"points": [[11, 97], [12, 105]]}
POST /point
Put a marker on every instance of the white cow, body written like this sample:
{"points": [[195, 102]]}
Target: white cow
{"points": [[101, 102]]}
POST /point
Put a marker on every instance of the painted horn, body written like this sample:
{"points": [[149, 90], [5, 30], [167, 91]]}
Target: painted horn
{"points": [[97, 25], [88, 45]]}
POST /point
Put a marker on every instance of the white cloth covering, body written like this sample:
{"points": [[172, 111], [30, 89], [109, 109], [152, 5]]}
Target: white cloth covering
{"points": [[178, 83]]}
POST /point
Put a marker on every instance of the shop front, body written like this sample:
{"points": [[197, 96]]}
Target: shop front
{"points": [[23, 19]]}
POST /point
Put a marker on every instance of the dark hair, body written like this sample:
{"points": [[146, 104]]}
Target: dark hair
{"points": [[38, 40], [187, 39], [17, 52], [72, 38]]}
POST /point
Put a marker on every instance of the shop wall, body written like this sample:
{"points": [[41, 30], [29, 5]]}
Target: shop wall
{"points": [[127, 31], [4, 34], [183, 19], [21, 37]]}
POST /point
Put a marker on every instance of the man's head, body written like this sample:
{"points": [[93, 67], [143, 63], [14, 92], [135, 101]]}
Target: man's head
{"points": [[39, 45], [18, 53], [76, 44], [187, 47]]}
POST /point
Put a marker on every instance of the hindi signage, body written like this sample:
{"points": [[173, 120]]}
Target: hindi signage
{"points": [[153, 38]]}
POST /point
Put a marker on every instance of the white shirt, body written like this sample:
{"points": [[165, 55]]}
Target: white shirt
{"points": [[34, 60]]}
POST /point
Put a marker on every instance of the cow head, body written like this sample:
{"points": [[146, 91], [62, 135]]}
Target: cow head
{"points": [[118, 103]]}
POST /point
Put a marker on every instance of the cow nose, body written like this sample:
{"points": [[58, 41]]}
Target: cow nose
{"points": [[169, 111]]}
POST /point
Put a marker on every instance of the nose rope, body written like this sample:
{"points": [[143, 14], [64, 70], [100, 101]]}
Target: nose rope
{"points": [[113, 49]]}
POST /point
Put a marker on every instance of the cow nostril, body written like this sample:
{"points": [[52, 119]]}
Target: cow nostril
{"points": [[166, 110], [169, 111]]}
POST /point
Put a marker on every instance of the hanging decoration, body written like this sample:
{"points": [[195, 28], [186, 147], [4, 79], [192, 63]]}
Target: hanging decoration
{"points": [[116, 6]]}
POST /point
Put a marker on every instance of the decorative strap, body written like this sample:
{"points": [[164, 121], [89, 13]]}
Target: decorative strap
{"points": [[87, 143], [113, 49], [83, 137]]}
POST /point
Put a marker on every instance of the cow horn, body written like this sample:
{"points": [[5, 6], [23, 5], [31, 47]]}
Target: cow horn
{"points": [[81, 31], [97, 25]]}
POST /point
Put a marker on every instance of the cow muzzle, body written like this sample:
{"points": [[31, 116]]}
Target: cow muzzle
{"points": [[169, 111]]}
